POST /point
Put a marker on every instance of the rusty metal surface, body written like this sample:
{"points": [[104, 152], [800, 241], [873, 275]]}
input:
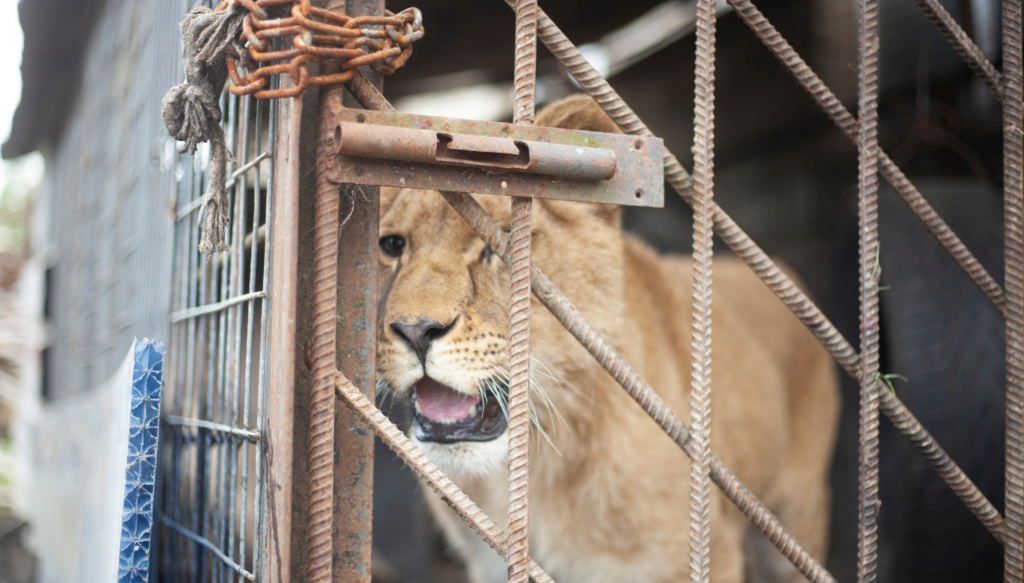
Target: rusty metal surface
{"points": [[357, 338], [963, 45], [868, 504], [427, 472], [382, 41], [1013, 204], [276, 538], [489, 153], [637, 180], [700, 354], [319, 544], [595, 85], [828, 102], [524, 95], [356, 313], [519, 392]]}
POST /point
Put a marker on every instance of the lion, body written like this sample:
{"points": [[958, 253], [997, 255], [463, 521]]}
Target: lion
{"points": [[608, 489]]}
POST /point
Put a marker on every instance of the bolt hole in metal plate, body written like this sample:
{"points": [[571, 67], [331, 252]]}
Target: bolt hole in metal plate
{"points": [[498, 158]]}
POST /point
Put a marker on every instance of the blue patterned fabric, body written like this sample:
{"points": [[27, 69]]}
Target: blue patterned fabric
{"points": [[140, 476]]}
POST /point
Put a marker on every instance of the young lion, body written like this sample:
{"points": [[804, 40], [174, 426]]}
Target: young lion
{"points": [[608, 489]]}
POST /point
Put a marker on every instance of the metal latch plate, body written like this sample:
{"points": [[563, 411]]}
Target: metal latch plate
{"points": [[638, 166]]}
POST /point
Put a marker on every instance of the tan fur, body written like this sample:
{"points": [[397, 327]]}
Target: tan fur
{"points": [[609, 494]]}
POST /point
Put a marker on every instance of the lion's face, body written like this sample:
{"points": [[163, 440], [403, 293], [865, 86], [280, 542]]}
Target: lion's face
{"points": [[443, 317]]}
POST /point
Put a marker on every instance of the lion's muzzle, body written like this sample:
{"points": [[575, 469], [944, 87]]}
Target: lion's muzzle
{"points": [[444, 415]]}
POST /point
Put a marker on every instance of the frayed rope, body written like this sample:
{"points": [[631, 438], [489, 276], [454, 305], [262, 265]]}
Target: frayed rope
{"points": [[191, 111]]}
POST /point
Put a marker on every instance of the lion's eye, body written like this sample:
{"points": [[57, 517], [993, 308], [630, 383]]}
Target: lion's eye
{"points": [[392, 245], [486, 254]]}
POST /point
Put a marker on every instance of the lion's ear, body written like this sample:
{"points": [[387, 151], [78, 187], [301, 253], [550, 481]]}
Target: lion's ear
{"points": [[575, 212], [581, 112], [577, 112]]}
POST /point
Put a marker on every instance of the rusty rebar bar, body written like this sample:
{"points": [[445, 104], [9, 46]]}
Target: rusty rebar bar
{"points": [[812, 317], [943, 465], [769, 273], [784, 288], [700, 354], [319, 542], [636, 387], [525, 81], [427, 472], [963, 45], [828, 102], [1013, 204], [868, 504]]}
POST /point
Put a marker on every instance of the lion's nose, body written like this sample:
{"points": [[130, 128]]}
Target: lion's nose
{"points": [[420, 334]]}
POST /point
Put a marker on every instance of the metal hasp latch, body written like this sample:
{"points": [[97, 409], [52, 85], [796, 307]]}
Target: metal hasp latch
{"points": [[431, 153]]}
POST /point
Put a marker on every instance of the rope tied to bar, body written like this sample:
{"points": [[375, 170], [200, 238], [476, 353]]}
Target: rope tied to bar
{"points": [[191, 111], [216, 43]]}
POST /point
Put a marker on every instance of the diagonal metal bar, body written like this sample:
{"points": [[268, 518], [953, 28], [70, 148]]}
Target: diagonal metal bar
{"points": [[700, 368], [1013, 204], [598, 88], [801, 306], [642, 393], [603, 93], [963, 45], [215, 307], [828, 102], [427, 472], [868, 504], [171, 524], [769, 273], [519, 310], [247, 434]]}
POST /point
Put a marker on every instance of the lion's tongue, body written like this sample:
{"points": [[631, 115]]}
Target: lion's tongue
{"points": [[438, 402]]}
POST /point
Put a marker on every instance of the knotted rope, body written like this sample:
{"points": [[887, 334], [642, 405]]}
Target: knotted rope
{"points": [[191, 111], [214, 43]]}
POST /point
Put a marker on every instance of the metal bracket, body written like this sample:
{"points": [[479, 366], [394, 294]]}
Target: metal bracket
{"points": [[434, 153]]}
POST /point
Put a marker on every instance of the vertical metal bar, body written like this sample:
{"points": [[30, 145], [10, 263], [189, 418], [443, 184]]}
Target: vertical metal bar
{"points": [[257, 557], [519, 311], [357, 337], [319, 544], [277, 426], [238, 259], [1013, 202], [700, 371], [257, 209], [870, 274]]}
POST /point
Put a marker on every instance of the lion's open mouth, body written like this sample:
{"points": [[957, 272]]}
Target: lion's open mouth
{"points": [[445, 415]]}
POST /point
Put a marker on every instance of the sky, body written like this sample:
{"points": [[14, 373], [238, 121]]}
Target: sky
{"points": [[28, 168]]}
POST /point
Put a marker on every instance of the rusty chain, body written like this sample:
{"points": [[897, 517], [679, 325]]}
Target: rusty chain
{"points": [[318, 35]]}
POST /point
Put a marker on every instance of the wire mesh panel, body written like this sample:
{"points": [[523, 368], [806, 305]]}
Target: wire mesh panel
{"points": [[106, 194], [216, 360]]}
